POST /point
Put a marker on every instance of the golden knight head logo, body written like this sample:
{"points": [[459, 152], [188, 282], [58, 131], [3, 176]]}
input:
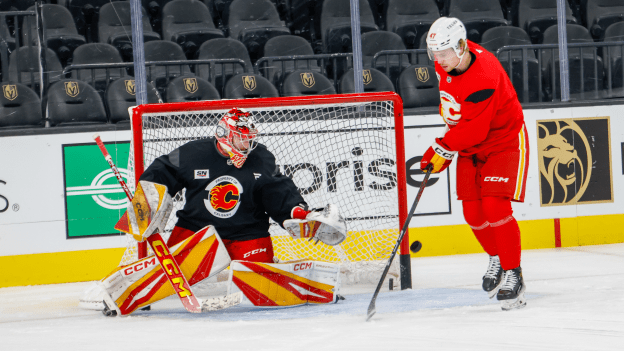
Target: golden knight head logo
{"points": [[368, 78], [190, 85], [10, 91], [307, 79], [130, 87], [566, 168], [422, 74], [71, 89], [249, 82]]}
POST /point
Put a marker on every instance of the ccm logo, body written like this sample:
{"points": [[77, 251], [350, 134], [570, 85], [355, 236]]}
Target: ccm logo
{"points": [[302, 266], [496, 179], [254, 252], [139, 266], [441, 152]]}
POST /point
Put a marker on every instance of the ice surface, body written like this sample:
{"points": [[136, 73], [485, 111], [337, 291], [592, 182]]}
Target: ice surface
{"points": [[575, 302]]}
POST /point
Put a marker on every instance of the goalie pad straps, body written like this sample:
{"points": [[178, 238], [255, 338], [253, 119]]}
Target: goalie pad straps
{"points": [[285, 284], [142, 283], [148, 212]]}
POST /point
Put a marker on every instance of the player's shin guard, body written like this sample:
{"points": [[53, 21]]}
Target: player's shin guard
{"points": [[474, 216], [142, 283], [505, 228], [285, 284]]}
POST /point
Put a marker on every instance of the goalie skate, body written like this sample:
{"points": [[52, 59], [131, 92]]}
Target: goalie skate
{"points": [[221, 302]]}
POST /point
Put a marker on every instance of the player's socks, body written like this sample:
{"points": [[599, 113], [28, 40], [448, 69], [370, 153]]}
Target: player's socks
{"points": [[493, 277], [511, 293]]}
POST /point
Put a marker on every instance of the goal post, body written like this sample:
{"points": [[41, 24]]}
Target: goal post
{"points": [[345, 149]]}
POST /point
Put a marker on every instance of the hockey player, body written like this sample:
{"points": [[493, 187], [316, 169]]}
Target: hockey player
{"points": [[485, 125]]}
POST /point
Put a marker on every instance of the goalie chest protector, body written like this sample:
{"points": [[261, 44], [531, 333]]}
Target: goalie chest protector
{"points": [[237, 201]]}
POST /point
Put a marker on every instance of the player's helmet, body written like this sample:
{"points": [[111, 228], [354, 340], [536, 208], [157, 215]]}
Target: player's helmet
{"points": [[445, 33], [236, 134]]}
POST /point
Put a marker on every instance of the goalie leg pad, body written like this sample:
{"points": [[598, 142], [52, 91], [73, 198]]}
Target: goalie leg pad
{"points": [[142, 283], [285, 284]]}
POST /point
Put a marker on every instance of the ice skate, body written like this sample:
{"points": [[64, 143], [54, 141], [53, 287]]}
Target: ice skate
{"points": [[493, 277], [511, 293]]}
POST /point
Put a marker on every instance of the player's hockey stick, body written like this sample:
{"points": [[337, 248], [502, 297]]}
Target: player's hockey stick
{"points": [[371, 307], [165, 258]]}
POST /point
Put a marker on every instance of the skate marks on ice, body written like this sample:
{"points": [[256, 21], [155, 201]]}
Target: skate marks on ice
{"points": [[387, 303]]}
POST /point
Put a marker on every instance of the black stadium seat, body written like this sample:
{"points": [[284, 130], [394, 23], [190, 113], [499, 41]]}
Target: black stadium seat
{"points": [[189, 88], [20, 107], [59, 31], [249, 85], [304, 82], [600, 14], [74, 102], [162, 50], [24, 66], [287, 45], [188, 23], [535, 16], [411, 19], [374, 80], [478, 16], [15, 5], [376, 41], [154, 10], [512, 61], [253, 22], [222, 49], [305, 17], [94, 53], [86, 14], [615, 33], [336, 24], [114, 27], [121, 95], [418, 87]]}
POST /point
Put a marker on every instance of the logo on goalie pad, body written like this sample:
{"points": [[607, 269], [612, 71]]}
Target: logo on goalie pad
{"points": [[224, 195], [137, 267]]}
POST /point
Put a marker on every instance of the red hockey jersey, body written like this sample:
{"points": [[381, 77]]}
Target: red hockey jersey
{"points": [[480, 105]]}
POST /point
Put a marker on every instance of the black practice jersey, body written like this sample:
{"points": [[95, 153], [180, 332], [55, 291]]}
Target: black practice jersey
{"points": [[237, 201]]}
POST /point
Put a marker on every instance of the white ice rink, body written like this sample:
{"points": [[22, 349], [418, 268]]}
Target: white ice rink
{"points": [[575, 302]]}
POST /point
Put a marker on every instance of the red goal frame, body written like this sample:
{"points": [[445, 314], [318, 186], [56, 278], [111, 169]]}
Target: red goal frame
{"points": [[136, 120]]}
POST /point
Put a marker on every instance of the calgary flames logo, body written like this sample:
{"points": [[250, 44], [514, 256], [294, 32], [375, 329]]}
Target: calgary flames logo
{"points": [[450, 110], [224, 196]]}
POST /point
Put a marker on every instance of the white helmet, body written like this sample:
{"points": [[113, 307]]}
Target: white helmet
{"points": [[445, 33]]}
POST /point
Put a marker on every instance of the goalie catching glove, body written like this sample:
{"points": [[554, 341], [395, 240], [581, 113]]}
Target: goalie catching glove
{"points": [[148, 212], [326, 225]]}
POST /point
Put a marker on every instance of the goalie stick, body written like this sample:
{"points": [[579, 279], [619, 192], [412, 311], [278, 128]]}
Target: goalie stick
{"points": [[371, 307], [157, 243]]}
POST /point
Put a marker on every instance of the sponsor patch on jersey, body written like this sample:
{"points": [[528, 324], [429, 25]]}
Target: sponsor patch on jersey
{"points": [[450, 110], [224, 195], [202, 173]]}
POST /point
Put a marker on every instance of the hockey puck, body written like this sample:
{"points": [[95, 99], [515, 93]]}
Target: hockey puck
{"points": [[416, 246]]}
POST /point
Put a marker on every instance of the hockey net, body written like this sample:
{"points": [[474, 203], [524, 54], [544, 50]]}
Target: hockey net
{"points": [[338, 149]]}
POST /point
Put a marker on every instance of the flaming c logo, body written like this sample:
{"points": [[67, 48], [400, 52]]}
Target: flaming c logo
{"points": [[224, 196]]}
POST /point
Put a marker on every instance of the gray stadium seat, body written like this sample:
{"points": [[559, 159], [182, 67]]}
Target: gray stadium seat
{"points": [[374, 80], [189, 88], [249, 85], [20, 107], [94, 53], [162, 50], [222, 49], [376, 41], [307, 82], [336, 24], [74, 102], [411, 19], [24, 66], [287, 45], [121, 94], [478, 16], [418, 87], [600, 14], [535, 16]]}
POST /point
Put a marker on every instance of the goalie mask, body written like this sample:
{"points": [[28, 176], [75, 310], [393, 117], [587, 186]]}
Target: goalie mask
{"points": [[236, 134]]}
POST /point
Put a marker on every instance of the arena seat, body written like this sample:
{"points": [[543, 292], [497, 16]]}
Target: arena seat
{"points": [[615, 33], [162, 50], [86, 14], [60, 31], [600, 14], [376, 41], [154, 10], [478, 16], [114, 27], [418, 87], [305, 18], [287, 45], [512, 61], [411, 19], [24, 66], [576, 34], [94, 53], [306, 82], [253, 22], [74, 102], [16, 5], [535, 16], [221, 49], [249, 85], [189, 88], [188, 23], [374, 80], [20, 107], [121, 94], [336, 24]]}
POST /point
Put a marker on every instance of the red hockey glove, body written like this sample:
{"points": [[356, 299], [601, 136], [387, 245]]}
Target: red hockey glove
{"points": [[438, 155]]}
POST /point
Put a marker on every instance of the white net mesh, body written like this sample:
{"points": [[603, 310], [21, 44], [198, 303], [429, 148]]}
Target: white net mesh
{"points": [[343, 154]]}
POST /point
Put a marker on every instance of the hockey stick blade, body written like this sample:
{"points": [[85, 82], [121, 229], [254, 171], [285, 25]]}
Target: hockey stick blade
{"points": [[221, 302], [371, 307]]}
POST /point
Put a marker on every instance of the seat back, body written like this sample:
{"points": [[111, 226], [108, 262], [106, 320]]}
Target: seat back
{"points": [[220, 49], [86, 14], [121, 94], [20, 107], [418, 87], [613, 55], [24, 66], [535, 16], [336, 24], [374, 80], [411, 19], [94, 53], [307, 82], [478, 16], [495, 38], [189, 88], [162, 50], [374, 42], [287, 45], [249, 85], [600, 14], [74, 102]]}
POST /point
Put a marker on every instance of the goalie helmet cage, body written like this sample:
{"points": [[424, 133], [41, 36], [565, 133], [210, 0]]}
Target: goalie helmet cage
{"points": [[344, 149]]}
